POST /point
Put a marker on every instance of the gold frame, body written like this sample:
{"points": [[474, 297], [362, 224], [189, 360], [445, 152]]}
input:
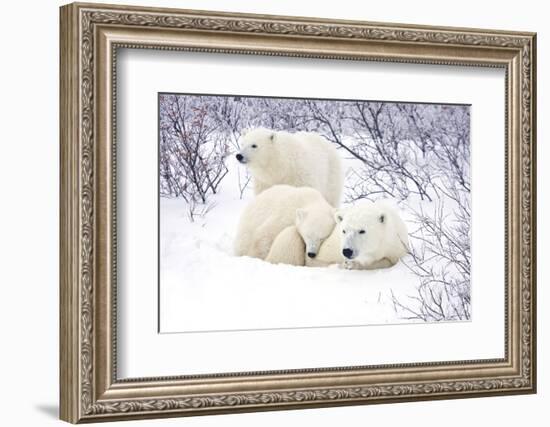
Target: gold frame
{"points": [[90, 35]]}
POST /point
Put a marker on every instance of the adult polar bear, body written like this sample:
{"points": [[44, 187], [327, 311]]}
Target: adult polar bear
{"points": [[367, 236], [279, 207], [301, 159]]}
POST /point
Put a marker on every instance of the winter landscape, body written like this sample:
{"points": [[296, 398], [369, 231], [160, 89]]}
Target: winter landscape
{"points": [[416, 155]]}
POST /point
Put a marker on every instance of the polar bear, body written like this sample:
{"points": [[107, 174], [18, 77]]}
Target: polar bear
{"points": [[369, 235], [301, 159], [277, 208], [288, 248]]}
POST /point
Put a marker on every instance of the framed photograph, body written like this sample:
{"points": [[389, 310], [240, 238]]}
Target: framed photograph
{"points": [[267, 212]]}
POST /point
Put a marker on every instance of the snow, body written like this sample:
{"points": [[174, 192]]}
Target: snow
{"points": [[204, 287]]}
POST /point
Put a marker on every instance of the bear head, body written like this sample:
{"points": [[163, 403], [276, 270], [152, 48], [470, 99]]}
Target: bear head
{"points": [[257, 146], [363, 230], [314, 224]]}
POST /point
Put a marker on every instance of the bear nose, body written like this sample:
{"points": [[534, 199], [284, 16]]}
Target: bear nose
{"points": [[347, 252], [239, 157], [311, 254]]}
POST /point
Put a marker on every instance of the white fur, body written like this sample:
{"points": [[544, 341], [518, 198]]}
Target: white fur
{"points": [[288, 248], [384, 241], [277, 208], [302, 159]]}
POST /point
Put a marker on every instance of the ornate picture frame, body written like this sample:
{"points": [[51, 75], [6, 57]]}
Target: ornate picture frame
{"points": [[90, 37]]}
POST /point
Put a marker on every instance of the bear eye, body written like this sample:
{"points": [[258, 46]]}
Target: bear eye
{"points": [[343, 231], [254, 146], [361, 231]]}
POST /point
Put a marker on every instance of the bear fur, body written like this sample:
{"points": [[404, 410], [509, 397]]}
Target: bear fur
{"points": [[277, 208], [288, 248], [369, 235], [301, 159]]}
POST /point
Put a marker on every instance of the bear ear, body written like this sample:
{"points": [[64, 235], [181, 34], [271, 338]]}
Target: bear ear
{"points": [[382, 218], [338, 215], [301, 215]]}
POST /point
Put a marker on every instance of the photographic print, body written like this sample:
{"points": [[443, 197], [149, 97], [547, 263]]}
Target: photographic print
{"points": [[265, 212], [279, 213]]}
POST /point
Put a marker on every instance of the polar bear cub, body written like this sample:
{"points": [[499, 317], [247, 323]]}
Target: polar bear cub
{"points": [[301, 159], [288, 248], [367, 236], [277, 208]]}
